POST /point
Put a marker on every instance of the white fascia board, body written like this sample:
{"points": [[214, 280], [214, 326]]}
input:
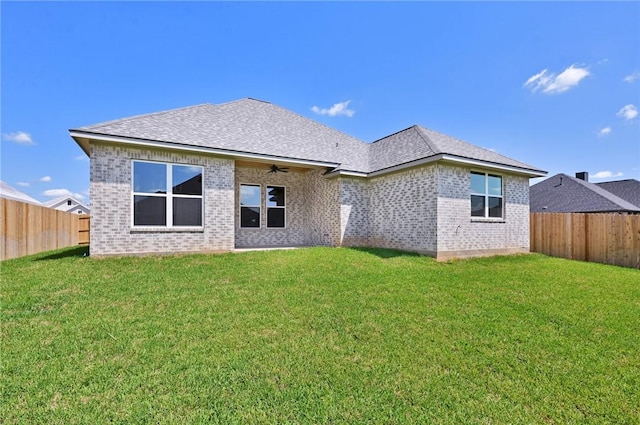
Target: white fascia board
{"points": [[201, 149], [347, 173], [491, 165], [441, 157]]}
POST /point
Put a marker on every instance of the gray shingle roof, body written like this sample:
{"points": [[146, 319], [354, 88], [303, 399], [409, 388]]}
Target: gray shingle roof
{"points": [[629, 190], [418, 142], [245, 125], [257, 127], [564, 193]]}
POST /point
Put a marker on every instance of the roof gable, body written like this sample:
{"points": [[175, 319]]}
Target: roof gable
{"points": [[62, 200], [564, 193], [416, 142]]}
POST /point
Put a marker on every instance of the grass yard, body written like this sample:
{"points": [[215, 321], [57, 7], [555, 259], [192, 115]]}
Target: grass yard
{"points": [[318, 335]]}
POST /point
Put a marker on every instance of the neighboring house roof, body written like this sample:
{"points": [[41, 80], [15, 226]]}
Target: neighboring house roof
{"points": [[564, 193], [63, 201], [629, 190], [252, 127], [9, 192]]}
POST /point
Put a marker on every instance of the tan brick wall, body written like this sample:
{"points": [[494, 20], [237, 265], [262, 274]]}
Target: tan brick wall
{"points": [[111, 204]]}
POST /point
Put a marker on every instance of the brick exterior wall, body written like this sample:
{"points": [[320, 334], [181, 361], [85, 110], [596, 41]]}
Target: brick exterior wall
{"points": [[294, 232], [323, 209], [354, 212], [460, 235], [424, 209], [111, 204], [402, 210]]}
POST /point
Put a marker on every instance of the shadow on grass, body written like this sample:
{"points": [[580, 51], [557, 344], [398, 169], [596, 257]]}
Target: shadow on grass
{"points": [[79, 251], [386, 252]]}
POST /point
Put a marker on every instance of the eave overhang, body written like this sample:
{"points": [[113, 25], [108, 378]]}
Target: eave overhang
{"points": [[83, 139], [454, 159]]}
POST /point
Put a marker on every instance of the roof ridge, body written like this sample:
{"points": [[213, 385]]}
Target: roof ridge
{"points": [[392, 134], [120, 120], [603, 193], [428, 140], [242, 99], [317, 122], [618, 181]]}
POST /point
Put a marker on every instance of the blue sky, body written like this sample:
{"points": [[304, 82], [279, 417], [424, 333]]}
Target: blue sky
{"points": [[556, 85]]}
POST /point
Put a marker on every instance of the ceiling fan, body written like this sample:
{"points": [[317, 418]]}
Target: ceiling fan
{"points": [[274, 169]]}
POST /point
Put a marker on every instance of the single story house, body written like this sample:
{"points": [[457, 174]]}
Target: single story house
{"points": [[249, 173], [567, 194], [68, 204]]}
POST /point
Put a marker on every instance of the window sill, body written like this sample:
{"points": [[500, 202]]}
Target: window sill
{"points": [[487, 220], [166, 230]]}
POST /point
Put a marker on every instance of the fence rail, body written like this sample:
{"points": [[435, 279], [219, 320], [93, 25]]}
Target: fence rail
{"points": [[27, 229], [601, 238]]}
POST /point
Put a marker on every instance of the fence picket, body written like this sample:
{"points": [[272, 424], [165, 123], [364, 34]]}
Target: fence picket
{"points": [[28, 229], [612, 238]]}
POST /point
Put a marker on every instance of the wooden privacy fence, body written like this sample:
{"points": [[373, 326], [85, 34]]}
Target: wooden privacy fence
{"points": [[84, 226], [611, 238], [27, 229]]}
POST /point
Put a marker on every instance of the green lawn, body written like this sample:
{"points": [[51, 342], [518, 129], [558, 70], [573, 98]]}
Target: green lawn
{"points": [[318, 335]]}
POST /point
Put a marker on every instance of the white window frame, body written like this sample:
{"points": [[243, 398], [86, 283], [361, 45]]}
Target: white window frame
{"points": [[249, 206], [487, 195], [169, 196], [267, 208]]}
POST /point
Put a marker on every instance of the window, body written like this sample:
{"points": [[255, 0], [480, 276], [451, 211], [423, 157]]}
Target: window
{"points": [[275, 206], [167, 195], [69, 202], [486, 195], [249, 205]]}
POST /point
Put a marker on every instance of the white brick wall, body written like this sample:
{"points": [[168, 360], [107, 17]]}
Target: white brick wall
{"points": [[111, 231]]}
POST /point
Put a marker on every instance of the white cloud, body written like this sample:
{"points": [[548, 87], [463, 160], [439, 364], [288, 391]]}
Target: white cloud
{"points": [[631, 77], [81, 157], [45, 179], [552, 83], [337, 109], [23, 184], [62, 192], [19, 137], [606, 175], [628, 112], [604, 131]]}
